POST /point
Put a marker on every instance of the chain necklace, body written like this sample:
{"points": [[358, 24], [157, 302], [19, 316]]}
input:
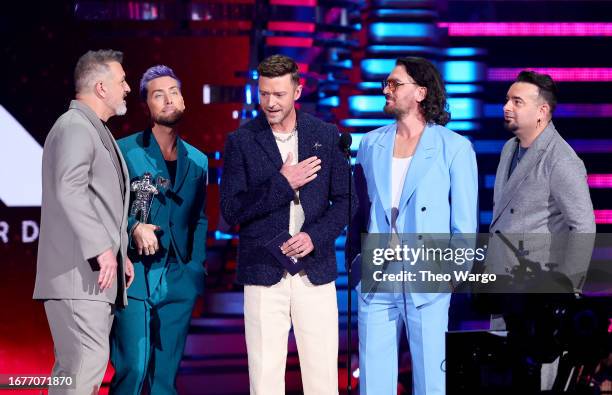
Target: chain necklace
{"points": [[284, 140]]}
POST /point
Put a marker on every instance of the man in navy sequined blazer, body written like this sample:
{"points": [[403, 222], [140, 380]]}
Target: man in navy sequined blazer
{"points": [[285, 172]]}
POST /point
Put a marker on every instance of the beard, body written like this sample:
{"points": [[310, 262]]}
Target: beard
{"points": [[170, 119], [393, 110], [511, 126], [121, 109], [390, 110]]}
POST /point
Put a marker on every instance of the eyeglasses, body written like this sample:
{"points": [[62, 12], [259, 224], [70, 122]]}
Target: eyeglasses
{"points": [[393, 84]]}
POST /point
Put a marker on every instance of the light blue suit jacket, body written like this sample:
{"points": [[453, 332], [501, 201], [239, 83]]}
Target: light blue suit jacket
{"points": [[440, 192]]}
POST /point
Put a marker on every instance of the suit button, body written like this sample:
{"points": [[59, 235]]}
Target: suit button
{"points": [[423, 208], [571, 228], [511, 211]]}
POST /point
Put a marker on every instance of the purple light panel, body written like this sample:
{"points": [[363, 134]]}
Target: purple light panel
{"points": [[528, 29], [574, 74]]}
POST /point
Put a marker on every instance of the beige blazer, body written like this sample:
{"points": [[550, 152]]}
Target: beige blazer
{"points": [[85, 197]]}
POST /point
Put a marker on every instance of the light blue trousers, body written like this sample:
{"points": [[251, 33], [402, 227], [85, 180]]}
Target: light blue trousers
{"points": [[381, 321]]}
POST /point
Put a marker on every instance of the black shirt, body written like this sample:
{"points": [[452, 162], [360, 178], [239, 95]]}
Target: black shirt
{"points": [[171, 165]]}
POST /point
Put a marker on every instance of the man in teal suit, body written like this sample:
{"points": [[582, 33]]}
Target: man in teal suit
{"points": [[168, 248], [418, 177]]}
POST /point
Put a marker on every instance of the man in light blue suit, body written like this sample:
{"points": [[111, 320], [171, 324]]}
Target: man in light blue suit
{"points": [[168, 249], [413, 176]]}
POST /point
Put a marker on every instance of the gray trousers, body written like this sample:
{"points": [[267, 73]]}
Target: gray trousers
{"points": [[80, 331]]}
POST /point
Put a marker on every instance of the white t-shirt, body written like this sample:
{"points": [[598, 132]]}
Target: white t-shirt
{"points": [[296, 212], [399, 169]]}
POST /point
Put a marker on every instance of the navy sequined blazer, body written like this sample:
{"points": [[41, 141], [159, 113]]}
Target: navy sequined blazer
{"points": [[256, 196]]}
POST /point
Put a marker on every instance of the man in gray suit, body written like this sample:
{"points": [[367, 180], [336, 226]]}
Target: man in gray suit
{"points": [[540, 185], [82, 270], [541, 196]]}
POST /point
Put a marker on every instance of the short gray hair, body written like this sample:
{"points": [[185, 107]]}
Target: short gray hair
{"points": [[91, 65]]}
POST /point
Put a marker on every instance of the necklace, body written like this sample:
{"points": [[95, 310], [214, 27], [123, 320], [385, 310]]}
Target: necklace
{"points": [[284, 140]]}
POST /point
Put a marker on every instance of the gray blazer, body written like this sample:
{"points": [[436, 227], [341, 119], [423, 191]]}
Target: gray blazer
{"points": [[85, 197], [547, 191], [547, 194]]}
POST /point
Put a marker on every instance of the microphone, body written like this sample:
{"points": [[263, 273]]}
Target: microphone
{"points": [[345, 143]]}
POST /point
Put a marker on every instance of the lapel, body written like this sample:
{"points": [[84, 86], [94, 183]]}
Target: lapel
{"points": [[306, 137], [265, 138], [106, 138], [154, 155], [126, 174], [501, 176], [381, 167], [424, 155], [505, 160], [533, 156], [157, 161]]}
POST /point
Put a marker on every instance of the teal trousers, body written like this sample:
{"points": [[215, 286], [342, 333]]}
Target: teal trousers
{"points": [[148, 336]]}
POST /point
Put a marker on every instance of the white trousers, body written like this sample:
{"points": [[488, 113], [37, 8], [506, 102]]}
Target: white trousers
{"points": [[269, 313]]}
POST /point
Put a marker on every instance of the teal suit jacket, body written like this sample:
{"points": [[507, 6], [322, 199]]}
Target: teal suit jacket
{"points": [[179, 211]]}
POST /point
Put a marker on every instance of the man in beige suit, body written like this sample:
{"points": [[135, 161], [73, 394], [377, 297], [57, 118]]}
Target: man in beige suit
{"points": [[82, 270]]}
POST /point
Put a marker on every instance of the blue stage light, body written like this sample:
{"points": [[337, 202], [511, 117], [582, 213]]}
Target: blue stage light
{"points": [[486, 217], [463, 89], [465, 52], [463, 71], [332, 101], [465, 108], [377, 67], [401, 31], [462, 126], [248, 94], [366, 104]]}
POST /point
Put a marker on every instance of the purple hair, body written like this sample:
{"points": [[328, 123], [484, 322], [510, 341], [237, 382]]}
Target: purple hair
{"points": [[154, 72]]}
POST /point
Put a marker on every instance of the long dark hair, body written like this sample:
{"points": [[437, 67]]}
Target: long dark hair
{"points": [[424, 73]]}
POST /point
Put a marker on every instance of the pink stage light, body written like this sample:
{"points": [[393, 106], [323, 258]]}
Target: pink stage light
{"points": [[300, 42], [297, 3], [528, 29], [603, 217], [291, 26], [600, 180], [573, 74]]}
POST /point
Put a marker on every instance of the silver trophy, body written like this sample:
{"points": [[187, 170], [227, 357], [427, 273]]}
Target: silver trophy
{"points": [[145, 190]]}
